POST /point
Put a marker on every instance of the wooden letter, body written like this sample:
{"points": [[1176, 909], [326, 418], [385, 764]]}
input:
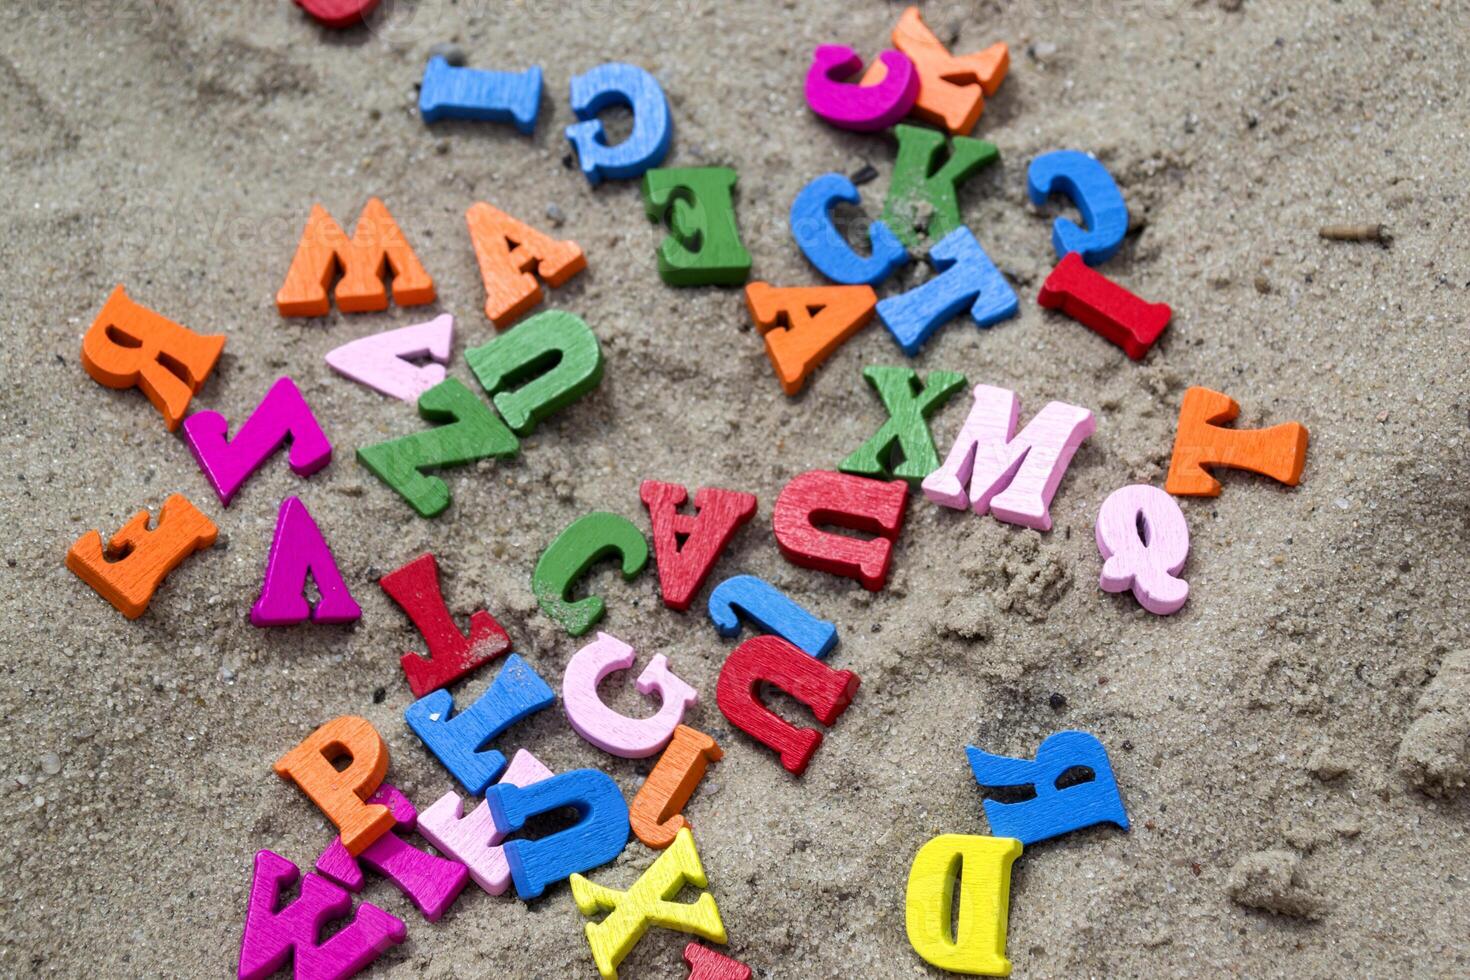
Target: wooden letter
{"points": [[650, 902], [614, 733], [804, 325], [597, 838], [325, 248], [1203, 441], [1054, 809], [1103, 306], [282, 414], [469, 431], [852, 502], [460, 740], [586, 541], [298, 549], [272, 937], [655, 814], [451, 655], [509, 252], [1013, 476], [706, 964], [341, 794], [687, 545], [771, 659], [1144, 541], [130, 345], [431, 882], [977, 944], [137, 559], [538, 368], [905, 436]]}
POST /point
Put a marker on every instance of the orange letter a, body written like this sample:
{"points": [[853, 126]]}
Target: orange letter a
{"points": [[507, 251], [325, 248]]}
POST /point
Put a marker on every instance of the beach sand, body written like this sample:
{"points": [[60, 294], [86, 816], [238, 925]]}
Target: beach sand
{"points": [[1291, 746]]}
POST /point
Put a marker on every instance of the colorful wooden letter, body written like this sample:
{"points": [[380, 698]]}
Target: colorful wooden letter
{"points": [[470, 432], [826, 248], [771, 611], [538, 368], [473, 840], [989, 467], [966, 277], [804, 325], [342, 793], [483, 96], [297, 549], [1089, 186], [771, 660], [137, 559], [905, 436], [595, 839], [852, 502], [703, 246], [130, 345], [1203, 441], [272, 937], [650, 902], [918, 188], [509, 254], [325, 248], [585, 542], [614, 733], [1144, 541], [431, 882], [977, 944], [618, 84], [687, 545], [451, 654], [864, 108], [459, 740], [952, 88], [282, 414], [1103, 306], [384, 362], [706, 964], [1055, 809], [338, 14], [655, 814]]}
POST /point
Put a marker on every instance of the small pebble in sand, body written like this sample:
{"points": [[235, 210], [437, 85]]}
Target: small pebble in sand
{"points": [[449, 51], [865, 174], [51, 763], [554, 215], [379, 694], [1058, 701], [1042, 51]]}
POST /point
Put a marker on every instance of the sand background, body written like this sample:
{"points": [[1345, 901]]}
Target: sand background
{"points": [[177, 147]]}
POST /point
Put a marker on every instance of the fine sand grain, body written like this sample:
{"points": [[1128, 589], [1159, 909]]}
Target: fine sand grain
{"points": [[1291, 745]]}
